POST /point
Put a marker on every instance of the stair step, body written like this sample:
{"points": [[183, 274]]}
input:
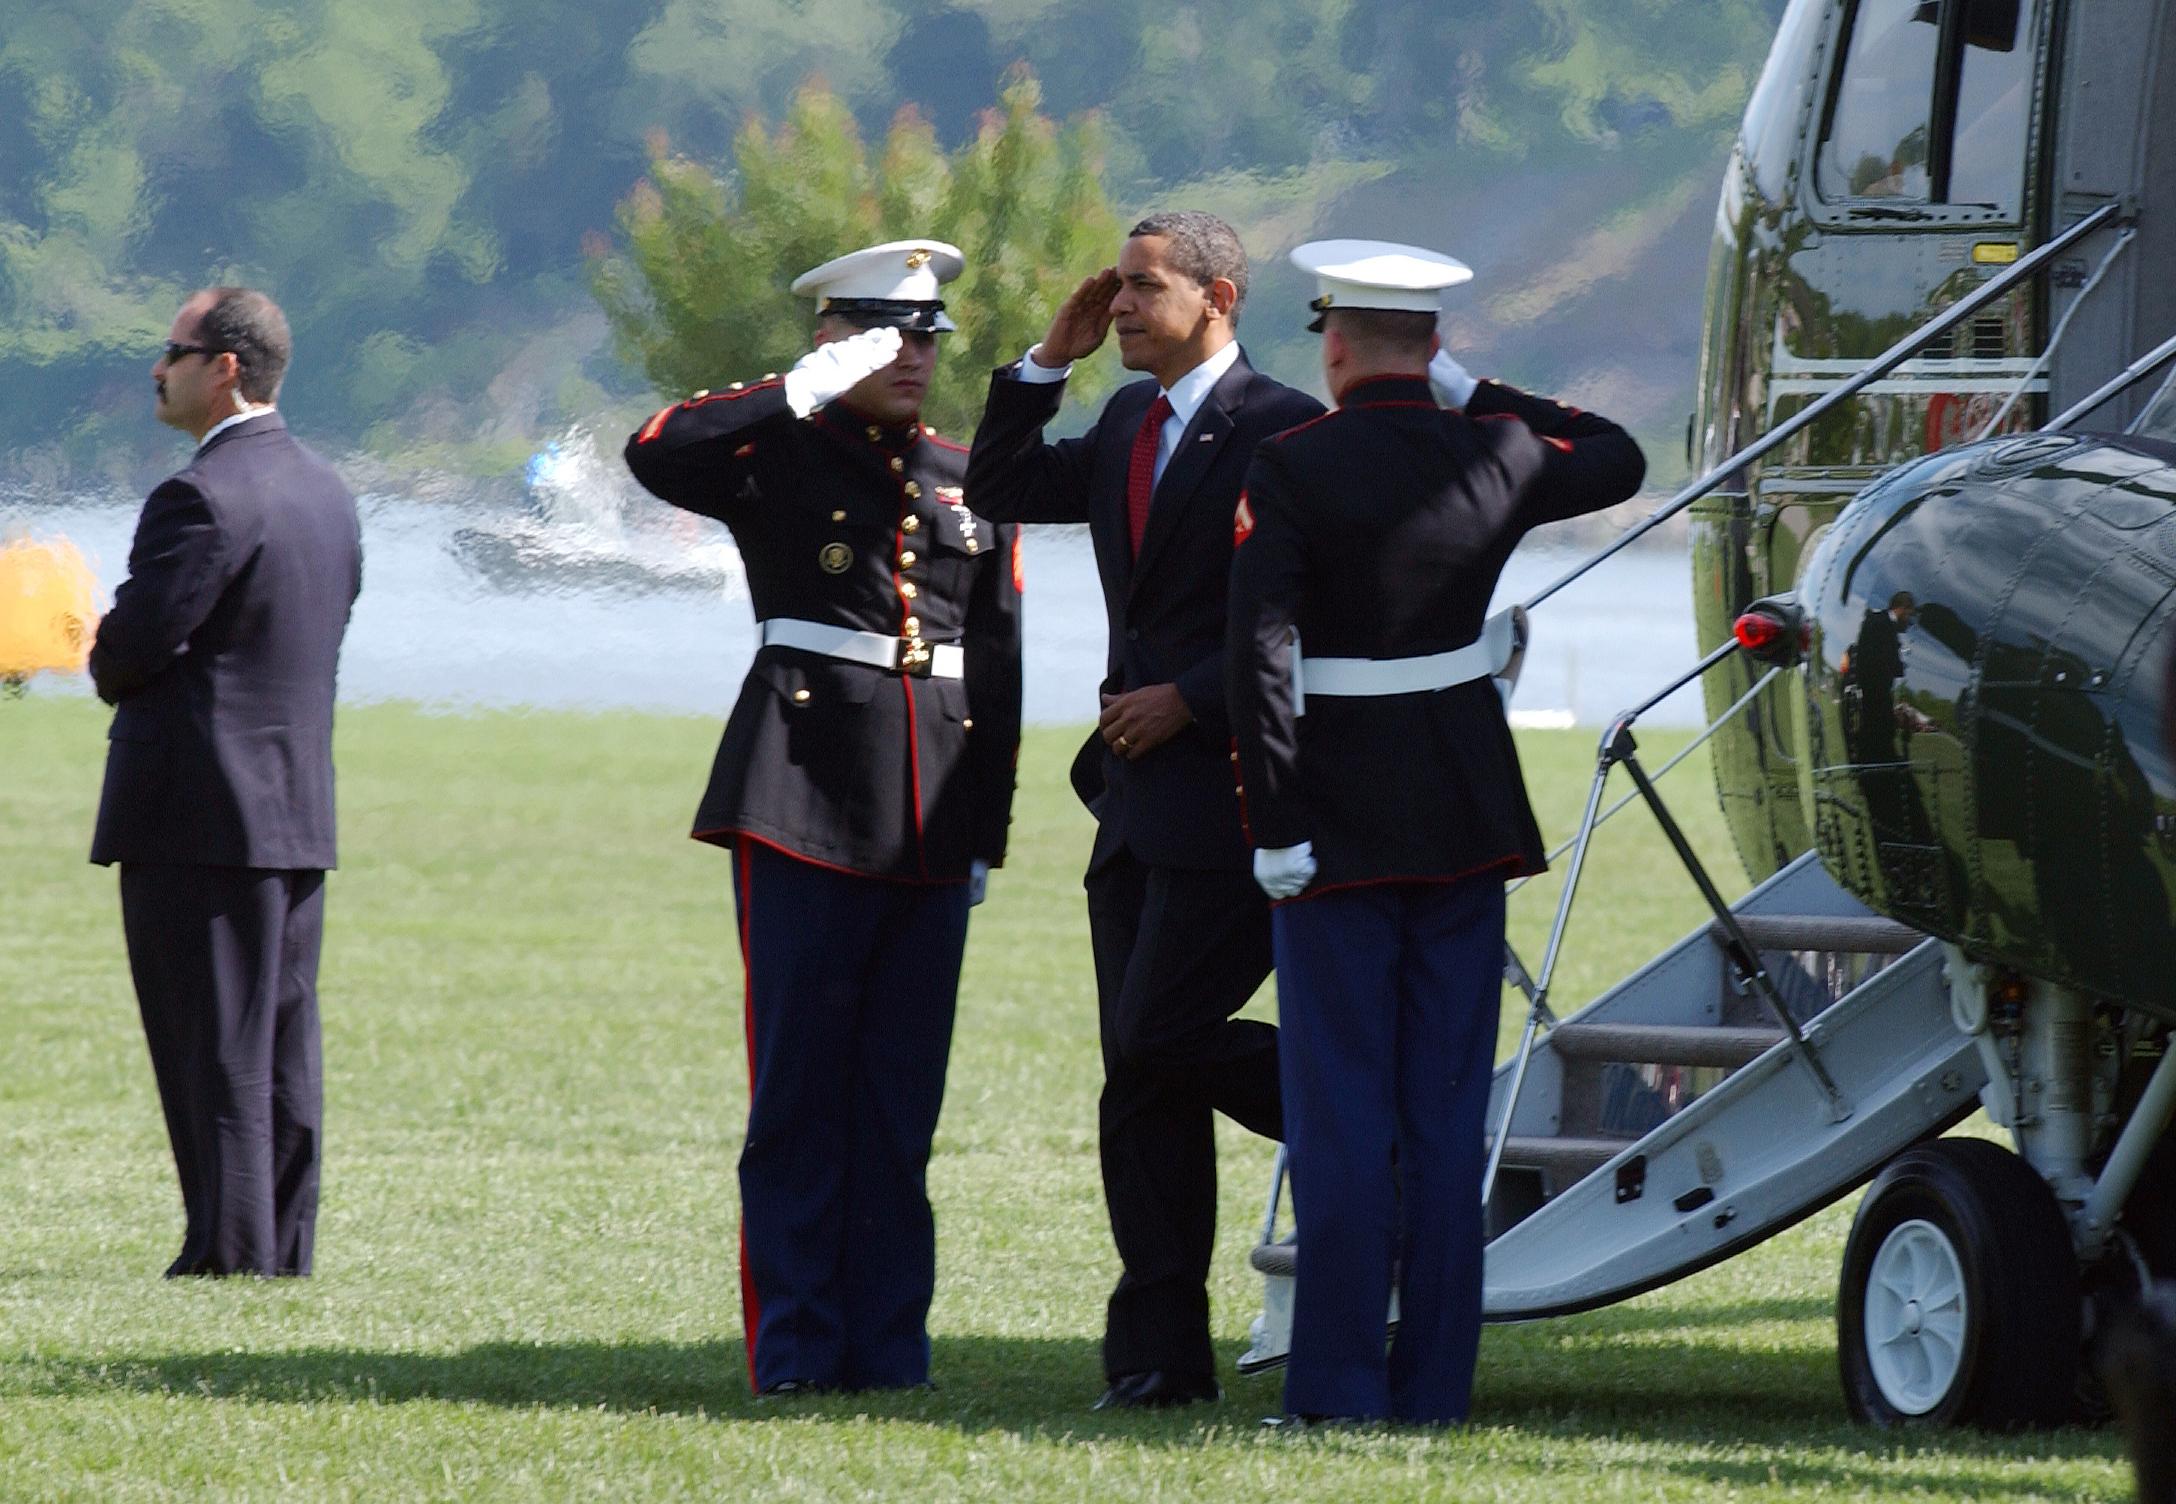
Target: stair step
{"points": [[1663, 1044], [1855, 933], [1566, 1158]]}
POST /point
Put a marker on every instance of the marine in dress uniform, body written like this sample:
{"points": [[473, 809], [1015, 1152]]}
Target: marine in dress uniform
{"points": [[1180, 934], [864, 785], [1383, 795]]}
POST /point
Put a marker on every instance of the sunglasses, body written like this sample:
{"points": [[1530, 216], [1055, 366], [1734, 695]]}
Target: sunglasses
{"points": [[176, 351]]}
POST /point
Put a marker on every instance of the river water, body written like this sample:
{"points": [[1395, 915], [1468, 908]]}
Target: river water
{"points": [[585, 593]]}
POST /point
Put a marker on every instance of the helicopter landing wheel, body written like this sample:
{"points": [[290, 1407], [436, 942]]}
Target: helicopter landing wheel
{"points": [[1959, 1302]]}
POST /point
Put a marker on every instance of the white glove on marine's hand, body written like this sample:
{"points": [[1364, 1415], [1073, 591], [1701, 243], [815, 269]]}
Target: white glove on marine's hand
{"points": [[978, 881], [1282, 871], [830, 369], [1453, 386]]}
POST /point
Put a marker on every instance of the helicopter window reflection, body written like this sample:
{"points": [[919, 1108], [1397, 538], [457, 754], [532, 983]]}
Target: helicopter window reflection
{"points": [[1994, 89], [1876, 142]]}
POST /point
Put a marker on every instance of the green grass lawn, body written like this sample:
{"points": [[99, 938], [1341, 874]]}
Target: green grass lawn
{"points": [[535, 1088]]}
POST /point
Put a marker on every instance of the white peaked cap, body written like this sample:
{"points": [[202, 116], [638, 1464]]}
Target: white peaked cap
{"points": [[899, 271], [1378, 274]]}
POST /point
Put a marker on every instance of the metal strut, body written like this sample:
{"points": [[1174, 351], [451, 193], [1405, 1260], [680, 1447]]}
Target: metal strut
{"points": [[1618, 749]]}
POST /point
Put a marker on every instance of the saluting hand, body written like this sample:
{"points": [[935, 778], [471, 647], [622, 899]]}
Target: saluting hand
{"points": [[1139, 721], [1082, 321], [834, 366]]}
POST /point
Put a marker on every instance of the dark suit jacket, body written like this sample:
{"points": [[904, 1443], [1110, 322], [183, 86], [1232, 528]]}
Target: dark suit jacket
{"points": [[219, 653], [1177, 806], [853, 525], [1379, 532]]}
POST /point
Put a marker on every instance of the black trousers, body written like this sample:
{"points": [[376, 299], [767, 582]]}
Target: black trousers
{"points": [[1177, 954], [225, 963]]}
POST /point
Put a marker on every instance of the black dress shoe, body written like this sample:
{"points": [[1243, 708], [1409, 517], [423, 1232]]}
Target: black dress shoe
{"points": [[1158, 1389]]}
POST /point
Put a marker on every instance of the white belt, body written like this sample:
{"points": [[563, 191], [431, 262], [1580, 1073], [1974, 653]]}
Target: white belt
{"points": [[1497, 653], [898, 655]]}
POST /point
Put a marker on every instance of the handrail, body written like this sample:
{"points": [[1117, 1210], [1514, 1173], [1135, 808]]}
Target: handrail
{"points": [[1881, 366], [2145, 365]]}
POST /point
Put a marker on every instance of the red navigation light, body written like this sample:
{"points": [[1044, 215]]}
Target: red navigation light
{"points": [[1770, 630], [1757, 632]]}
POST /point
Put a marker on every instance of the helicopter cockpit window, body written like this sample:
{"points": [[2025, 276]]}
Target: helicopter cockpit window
{"points": [[1876, 143], [1931, 108], [1994, 98]]}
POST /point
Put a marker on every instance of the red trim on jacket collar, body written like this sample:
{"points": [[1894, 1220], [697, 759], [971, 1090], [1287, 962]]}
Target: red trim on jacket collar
{"points": [[1398, 378], [841, 418]]}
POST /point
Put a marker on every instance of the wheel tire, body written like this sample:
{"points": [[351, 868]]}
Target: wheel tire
{"points": [[1959, 1303]]}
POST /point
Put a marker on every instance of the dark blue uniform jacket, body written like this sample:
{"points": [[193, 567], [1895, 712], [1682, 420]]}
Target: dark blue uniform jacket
{"points": [[1379, 531], [855, 525]]}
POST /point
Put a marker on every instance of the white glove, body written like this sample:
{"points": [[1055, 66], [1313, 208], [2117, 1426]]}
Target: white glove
{"points": [[829, 369], [1453, 387], [1282, 871], [978, 881]]}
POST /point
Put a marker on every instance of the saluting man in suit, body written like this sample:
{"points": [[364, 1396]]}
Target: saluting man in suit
{"points": [[1181, 936], [1384, 798], [864, 786], [219, 655]]}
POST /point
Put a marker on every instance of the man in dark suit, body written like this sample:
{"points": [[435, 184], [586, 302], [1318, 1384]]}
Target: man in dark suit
{"points": [[1181, 936], [864, 785], [1389, 817], [219, 655]]}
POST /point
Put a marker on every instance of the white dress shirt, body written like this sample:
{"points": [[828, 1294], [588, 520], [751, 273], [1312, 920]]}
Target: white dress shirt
{"points": [[1185, 395], [224, 424]]}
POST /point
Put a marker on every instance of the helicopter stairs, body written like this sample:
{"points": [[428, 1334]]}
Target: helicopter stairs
{"points": [[1672, 1123]]}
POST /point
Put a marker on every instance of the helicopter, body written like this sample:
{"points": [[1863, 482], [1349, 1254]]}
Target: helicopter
{"points": [[1933, 539]]}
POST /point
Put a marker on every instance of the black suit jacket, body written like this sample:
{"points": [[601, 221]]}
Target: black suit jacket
{"points": [[852, 524], [1178, 805], [1379, 533], [219, 654]]}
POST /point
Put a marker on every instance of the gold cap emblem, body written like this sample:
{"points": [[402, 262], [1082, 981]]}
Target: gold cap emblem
{"points": [[916, 260]]}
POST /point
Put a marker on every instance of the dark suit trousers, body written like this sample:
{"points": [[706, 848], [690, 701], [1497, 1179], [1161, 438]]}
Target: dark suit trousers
{"points": [[225, 963], [1177, 954]]}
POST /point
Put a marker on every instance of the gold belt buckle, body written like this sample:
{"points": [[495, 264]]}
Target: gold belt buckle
{"points": [[914, 657]]}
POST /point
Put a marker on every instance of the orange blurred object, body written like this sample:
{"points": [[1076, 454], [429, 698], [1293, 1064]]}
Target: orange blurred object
{"points": [[48, 608]]}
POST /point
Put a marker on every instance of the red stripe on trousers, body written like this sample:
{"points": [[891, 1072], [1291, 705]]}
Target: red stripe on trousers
{"points": [[751, 1303]]}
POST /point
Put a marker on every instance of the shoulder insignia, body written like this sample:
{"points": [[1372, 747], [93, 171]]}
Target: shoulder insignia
{"points": [[651, 429]]}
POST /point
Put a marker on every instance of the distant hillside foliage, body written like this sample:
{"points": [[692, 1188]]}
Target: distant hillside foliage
{"points": [[696, 284], [414, 179]]}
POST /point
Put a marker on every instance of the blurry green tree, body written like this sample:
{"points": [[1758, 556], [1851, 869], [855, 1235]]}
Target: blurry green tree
{"points": [[697, 288]]}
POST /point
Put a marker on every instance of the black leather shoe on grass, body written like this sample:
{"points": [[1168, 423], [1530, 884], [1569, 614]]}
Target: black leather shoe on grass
{"points": [[1158, 1389]]}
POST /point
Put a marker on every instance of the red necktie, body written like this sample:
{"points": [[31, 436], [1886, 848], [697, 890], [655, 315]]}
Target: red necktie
{"points": [[1141, 473]]}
